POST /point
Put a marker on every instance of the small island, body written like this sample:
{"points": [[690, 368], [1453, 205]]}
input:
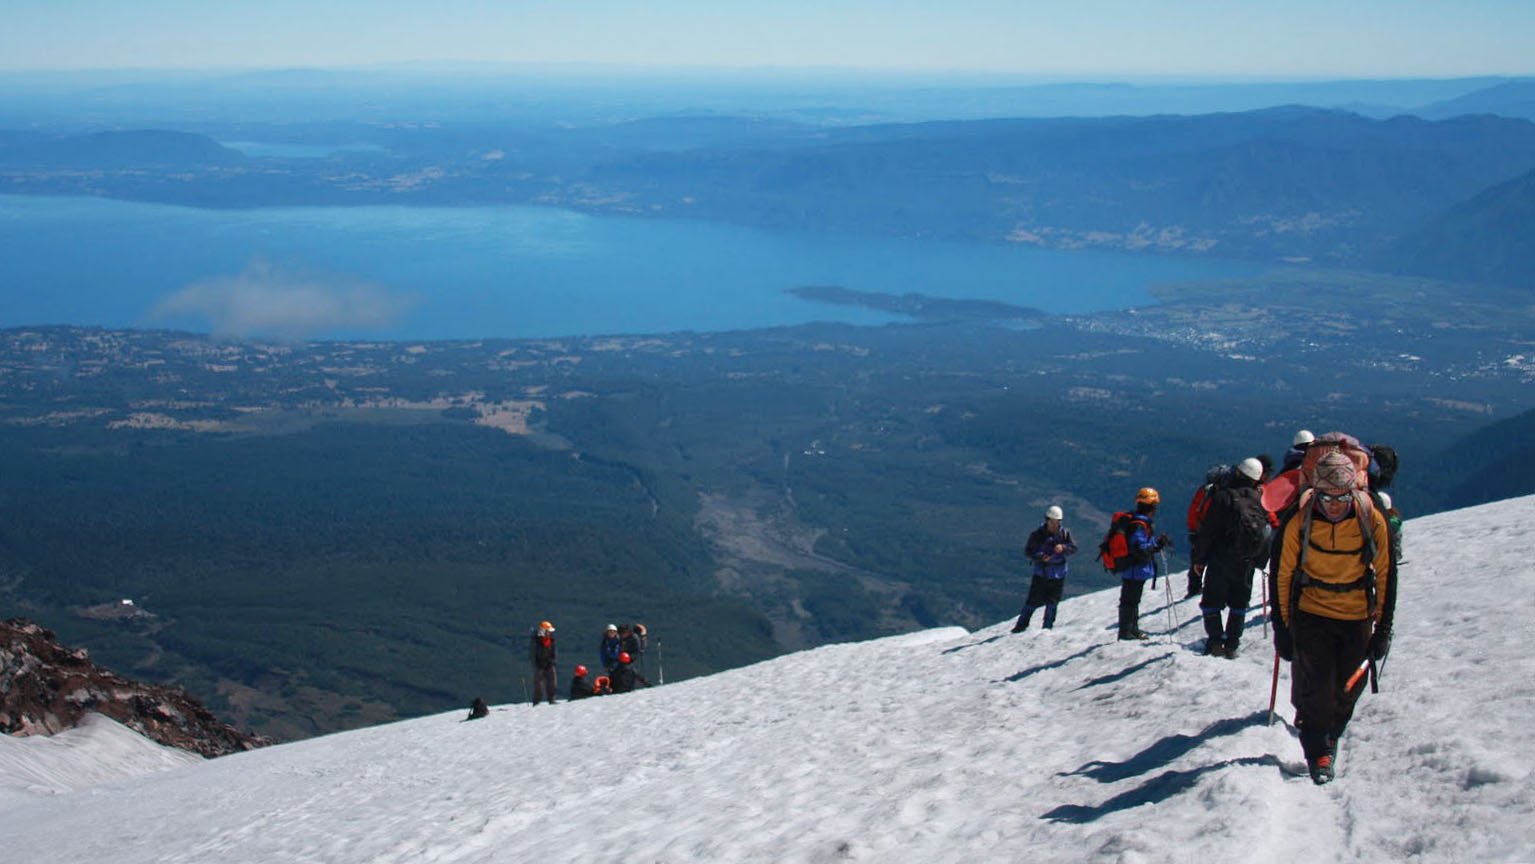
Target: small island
{"points": [[920, 306]]}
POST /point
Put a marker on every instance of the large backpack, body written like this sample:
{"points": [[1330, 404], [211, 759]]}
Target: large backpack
{"points": [[1114, 550], [1248, 532], [1336, 442], [1285, 490]]}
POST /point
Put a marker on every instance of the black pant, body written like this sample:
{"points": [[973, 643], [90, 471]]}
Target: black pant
{"points": [[1327, 652], [1228, 585], [1130, 606], [1043, 591], [543, 684]]}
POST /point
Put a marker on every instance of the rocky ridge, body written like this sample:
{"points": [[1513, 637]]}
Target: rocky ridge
{"points": [[46, 688]]}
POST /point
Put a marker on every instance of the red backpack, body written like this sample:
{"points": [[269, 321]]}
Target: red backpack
{"points": [[1200, 505], [1114, 551]]}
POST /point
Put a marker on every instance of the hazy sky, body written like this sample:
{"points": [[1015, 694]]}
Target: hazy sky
{"points": [[1073, 38]]}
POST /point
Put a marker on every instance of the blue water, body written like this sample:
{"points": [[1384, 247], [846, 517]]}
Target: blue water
{"points": [[470, 272]]}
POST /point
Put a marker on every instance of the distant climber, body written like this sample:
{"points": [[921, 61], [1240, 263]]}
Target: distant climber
{"points": [[625, 678], [1048, 547], [542, 653], [580, 685], [609, 648]]}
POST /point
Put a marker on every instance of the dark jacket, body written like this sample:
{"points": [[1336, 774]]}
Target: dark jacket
{"points": [[1040, 548], [1227, 507], [1292, 458], [541, 651], [626, 679], [580, 687], [632, 644]]}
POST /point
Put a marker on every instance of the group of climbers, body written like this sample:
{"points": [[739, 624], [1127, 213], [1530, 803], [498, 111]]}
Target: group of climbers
{"points": [[1323, 528], [1329, 538], [620, 650]]}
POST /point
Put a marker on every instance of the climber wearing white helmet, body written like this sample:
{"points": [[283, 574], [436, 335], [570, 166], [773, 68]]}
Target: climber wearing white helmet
{"points": [[1047, 547]]}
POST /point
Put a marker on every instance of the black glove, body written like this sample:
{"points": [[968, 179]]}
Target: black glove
{"points": [[1284, 646], [1380, 643], [1163, 541]]}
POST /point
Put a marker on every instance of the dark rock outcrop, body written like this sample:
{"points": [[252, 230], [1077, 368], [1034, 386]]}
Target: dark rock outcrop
{"points": [[46, 688]]}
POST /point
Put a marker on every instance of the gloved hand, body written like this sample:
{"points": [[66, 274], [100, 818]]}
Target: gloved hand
{"points": [[1163, 541], [1380, 643], [1284, 646]]}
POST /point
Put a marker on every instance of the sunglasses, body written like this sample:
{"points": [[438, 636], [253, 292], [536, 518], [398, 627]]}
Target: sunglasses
{"points": [[1335, 499]]}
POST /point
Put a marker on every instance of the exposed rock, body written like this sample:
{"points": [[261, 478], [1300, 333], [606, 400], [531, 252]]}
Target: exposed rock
{"points": [[46, 688]]}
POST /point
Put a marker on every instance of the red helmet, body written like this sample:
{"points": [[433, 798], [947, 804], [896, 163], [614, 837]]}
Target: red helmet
{"points": [[580, 670], [623, 657]]}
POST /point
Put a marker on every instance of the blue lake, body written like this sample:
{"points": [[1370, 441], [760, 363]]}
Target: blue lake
{"points": [[470, 272]]}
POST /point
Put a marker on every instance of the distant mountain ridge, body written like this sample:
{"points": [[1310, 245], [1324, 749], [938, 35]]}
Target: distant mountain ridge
{"points": [[1290, 182], [1489, 239], [1507, 98], [1490, 464], [116, 149]]}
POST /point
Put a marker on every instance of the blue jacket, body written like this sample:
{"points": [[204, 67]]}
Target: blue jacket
{"points": [[1040, 549], [608, 651], [1141, 539]]}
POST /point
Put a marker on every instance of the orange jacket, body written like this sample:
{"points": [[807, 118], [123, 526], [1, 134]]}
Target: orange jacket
{"points": [[1335, 557]]}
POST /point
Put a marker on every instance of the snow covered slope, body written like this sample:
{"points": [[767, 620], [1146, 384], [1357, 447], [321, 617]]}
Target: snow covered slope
{"points": [[1060, 745], [98, 750]]}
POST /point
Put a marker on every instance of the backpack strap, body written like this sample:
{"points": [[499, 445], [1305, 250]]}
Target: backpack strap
{"points": [[1362, 512]]}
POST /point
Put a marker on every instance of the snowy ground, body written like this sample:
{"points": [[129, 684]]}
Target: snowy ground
{"points": [[1059, 745]]}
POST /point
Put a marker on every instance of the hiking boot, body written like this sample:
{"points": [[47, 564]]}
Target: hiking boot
{"points": [[1134, 635], [1215, 648], [1019, 628], [1321, 769], [1231, 650]]}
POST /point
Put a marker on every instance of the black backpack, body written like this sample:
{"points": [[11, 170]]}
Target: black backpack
{"points": [[1248, 533], [1382, 466]]}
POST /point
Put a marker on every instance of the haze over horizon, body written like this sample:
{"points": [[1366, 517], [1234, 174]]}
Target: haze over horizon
{"points": [[1093, 39]]}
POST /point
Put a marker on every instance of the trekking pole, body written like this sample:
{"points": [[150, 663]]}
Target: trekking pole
{"points": [[1265, 603], [660, 666], [1167, 583], [1274, 687], [525, 696]]}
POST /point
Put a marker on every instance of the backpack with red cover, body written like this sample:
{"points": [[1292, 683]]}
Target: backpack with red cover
{"points": [[1336, 442], [1285, 490], [1114, 551]]}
